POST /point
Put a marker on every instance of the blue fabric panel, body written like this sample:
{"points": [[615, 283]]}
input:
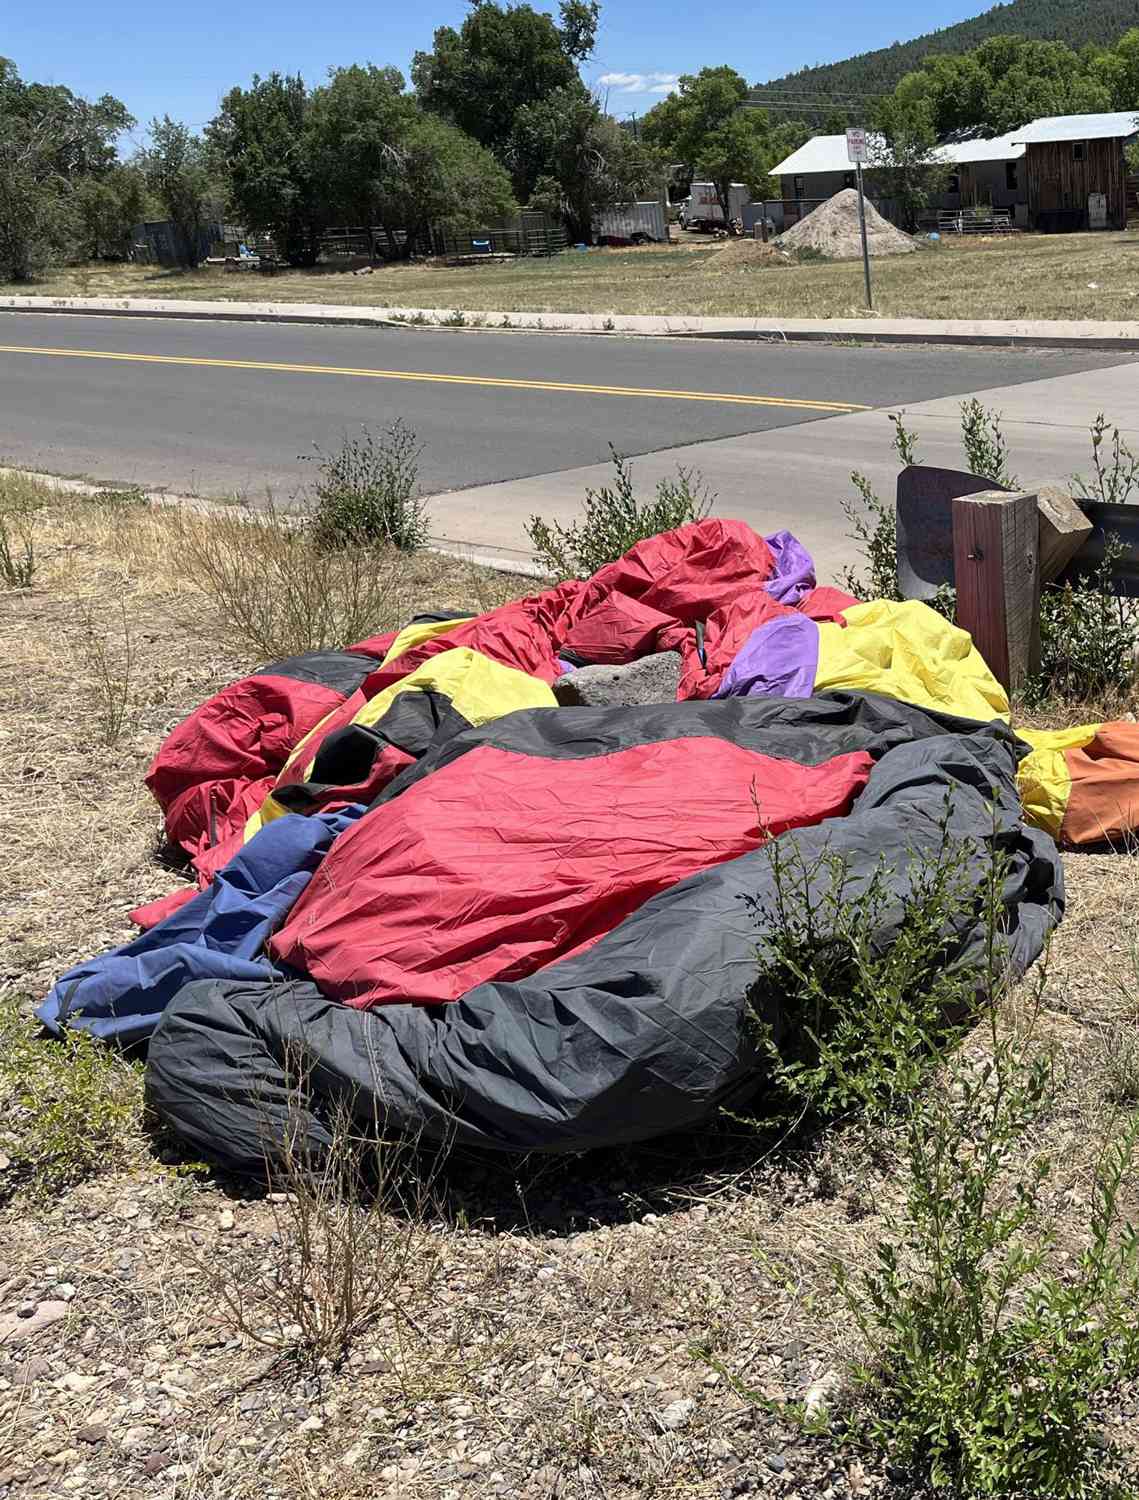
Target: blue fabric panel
{"points": [[220, 934]]}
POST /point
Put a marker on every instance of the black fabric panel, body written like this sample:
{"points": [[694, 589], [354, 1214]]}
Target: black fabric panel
{"points": [[438, 617], [638, 1036], [806, 730], [416, 720], [343, 671]]}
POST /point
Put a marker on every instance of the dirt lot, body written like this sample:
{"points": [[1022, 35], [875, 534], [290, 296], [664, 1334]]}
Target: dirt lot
{"points": [[559, 1315], [1033, 276]]}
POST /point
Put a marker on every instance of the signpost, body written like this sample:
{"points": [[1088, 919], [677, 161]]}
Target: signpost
{"points": [[856, 152]]}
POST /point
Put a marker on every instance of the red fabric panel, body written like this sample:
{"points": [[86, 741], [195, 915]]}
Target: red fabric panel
{"points": [[376, 645], [501, 863], [153, 912], [619, 630], [685, 575], [827, 605], [240, 735]]}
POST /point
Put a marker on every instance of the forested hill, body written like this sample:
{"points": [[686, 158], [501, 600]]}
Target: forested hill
{"points": [[1076, 22]]}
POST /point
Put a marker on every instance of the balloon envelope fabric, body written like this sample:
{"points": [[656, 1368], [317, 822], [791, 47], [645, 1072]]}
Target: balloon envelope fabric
{"points": [[534, 927]]}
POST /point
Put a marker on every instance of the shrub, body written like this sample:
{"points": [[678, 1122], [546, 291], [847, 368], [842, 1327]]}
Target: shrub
{"points": [[367, 492], [1087, 637], [110, 669], [986, 452], [614, 521], [982, 1364], [353, 1249], [68, 1108], [846, 1020], [275, 593], [20, 499], [874, 531], [1114, 475], [874, 526]]}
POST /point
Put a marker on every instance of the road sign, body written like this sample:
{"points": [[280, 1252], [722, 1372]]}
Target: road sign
{"points": [[856, 145]]}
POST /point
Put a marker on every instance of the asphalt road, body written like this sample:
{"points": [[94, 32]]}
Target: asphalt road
{"points": [[218, 409]]}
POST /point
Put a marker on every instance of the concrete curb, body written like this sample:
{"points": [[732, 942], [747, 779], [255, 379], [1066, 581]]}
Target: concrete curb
{"points": [[1040, 334]]}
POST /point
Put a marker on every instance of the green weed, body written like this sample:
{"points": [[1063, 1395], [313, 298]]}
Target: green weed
{"points": [[615, 520], [68, 1108], [368, 492]]}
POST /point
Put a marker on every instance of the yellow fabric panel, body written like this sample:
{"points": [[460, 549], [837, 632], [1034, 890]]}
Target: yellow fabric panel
{"points": [[1043, 777], [910, 652], [412, 635], [479, 689]]}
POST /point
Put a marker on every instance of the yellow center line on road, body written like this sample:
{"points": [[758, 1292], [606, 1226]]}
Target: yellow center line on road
{"points": [[494, 382]]}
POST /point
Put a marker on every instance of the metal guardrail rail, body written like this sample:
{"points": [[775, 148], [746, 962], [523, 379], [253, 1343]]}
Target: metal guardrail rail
{"points": [[1120, 521]]}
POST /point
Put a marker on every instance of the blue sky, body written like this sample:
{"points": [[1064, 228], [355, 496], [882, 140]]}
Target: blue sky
{"points": [[178, 59]]}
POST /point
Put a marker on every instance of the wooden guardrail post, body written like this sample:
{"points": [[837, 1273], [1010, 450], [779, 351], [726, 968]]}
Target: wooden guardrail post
{"points": [[996, 564]]}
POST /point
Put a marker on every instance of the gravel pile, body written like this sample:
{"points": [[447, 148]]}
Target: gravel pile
{"points": [[833, 230]]}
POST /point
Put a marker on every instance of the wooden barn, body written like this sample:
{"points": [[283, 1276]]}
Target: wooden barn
{"points": [[1075, 170]]}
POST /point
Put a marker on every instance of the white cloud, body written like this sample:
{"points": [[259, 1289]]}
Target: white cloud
{"points": [[639, 83]]}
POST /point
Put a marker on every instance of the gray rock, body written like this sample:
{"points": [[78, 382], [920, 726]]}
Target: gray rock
{"points": [[677, 1414], [652, 679]]}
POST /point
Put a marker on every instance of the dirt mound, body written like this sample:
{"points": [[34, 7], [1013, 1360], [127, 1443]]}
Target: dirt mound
{"points": [[738, 253], [833, 230]]}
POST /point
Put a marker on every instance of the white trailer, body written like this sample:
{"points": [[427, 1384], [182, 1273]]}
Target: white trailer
{"points": [[702, 210], [633, 221]]}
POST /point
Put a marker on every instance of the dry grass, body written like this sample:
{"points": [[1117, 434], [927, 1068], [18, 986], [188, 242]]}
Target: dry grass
{"points": [[566, 1297], [1033, 276]]}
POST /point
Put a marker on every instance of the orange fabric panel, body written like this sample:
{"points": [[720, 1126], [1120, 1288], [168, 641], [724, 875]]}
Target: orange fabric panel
{"points": [[1104, 801]]}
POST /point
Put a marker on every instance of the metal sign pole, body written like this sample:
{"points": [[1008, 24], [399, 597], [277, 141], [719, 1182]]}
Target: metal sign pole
{"points": [[865, 249]]}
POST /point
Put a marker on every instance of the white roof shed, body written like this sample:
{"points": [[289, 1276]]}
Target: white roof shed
{"points": [[827, 153]]}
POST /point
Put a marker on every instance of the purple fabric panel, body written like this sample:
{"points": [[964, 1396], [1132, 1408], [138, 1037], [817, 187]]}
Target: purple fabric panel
{"points": [[778, 660], [794, 575]]}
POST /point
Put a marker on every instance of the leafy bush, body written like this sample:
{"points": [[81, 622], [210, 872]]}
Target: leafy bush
{"points": [[17, 552], [1114, 475], [67, 1108], [874, 530], [982, 1364], [986, 452], [275, 593], [1087, 637], [846, 1022], [874, 526], [614, 521], [367, 492], [20, 499]]}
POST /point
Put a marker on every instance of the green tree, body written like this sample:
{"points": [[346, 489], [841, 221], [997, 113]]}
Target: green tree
{"points": [[579, 161], [502, 59], [50, 141], [381, 159], [177, 173], [705, 127], [260, 148], [904, 165], [107, 207]]}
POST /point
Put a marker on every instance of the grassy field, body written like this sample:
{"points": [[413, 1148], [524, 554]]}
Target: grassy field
{"points": [[1046, 276], [552, 1312]]}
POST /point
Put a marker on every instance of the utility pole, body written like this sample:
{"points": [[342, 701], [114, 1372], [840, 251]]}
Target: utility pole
{"points": [[856, 152]]}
